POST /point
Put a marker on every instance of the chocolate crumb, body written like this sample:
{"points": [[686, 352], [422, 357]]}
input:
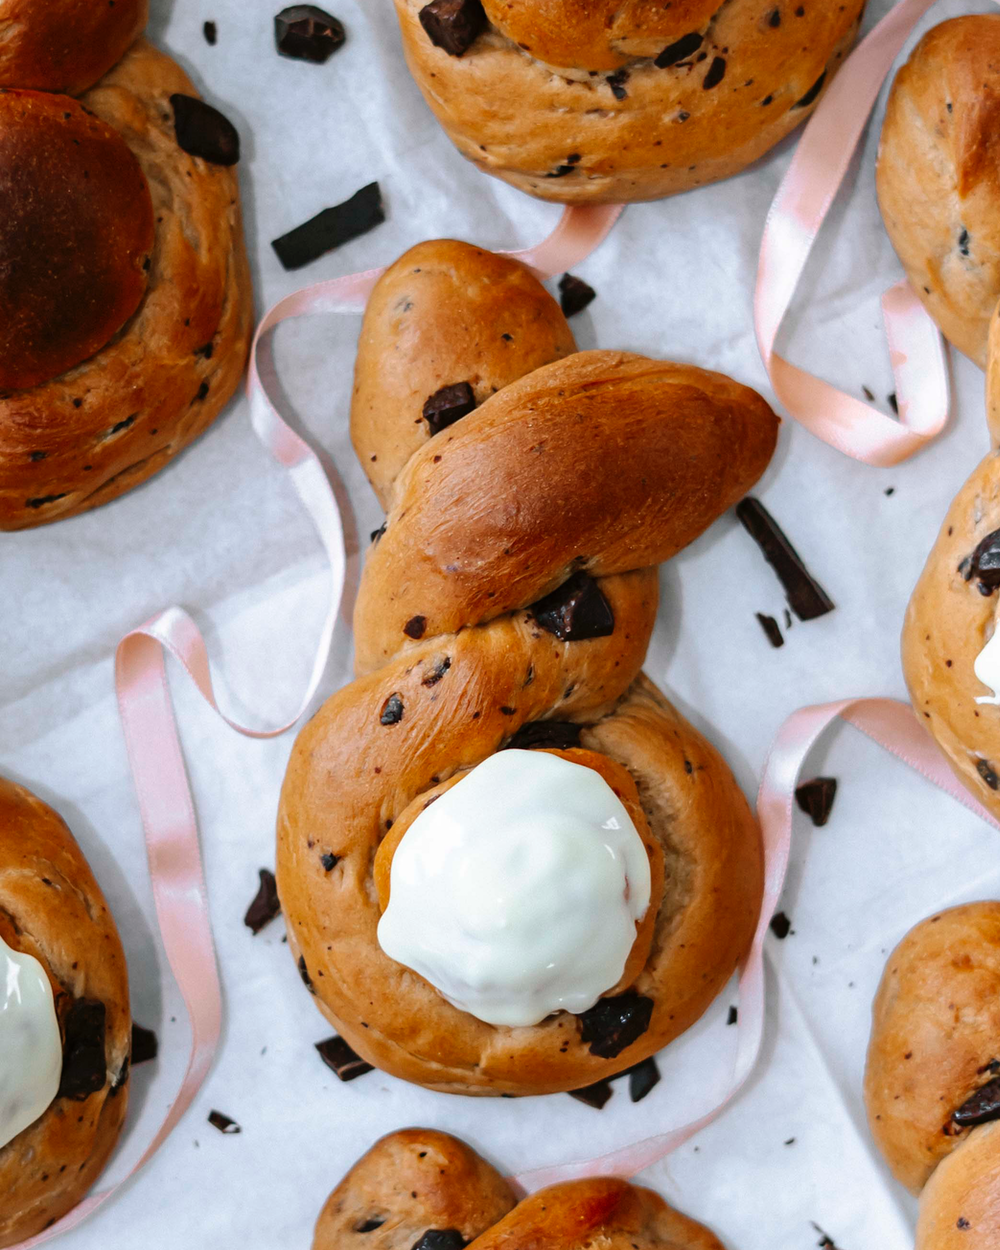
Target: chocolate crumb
{"points": [[223, 1122], [781, 926], [733, 1016], [575, 610], [962, 1223], [595, 1095], [84, 1066], [453, 25], [448, 405], [440, 1239], [806, 597], [560, 734], [613, 1024], [211, 33], [392, 711], [377, 534], [331, 228], [893, 403], [815, 798], [826, 1241], [341, 1059], [144, 1045], [770, 627], [684, 47], [304, 32], [963, 242], [574, 294], [868, 393], [265, 905], [203, 131]]}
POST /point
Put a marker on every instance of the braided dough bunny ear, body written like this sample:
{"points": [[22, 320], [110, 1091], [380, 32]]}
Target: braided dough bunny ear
{"points": [[570, 483], [931, 1085]]}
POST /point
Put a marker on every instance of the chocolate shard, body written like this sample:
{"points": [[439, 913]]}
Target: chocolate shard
{"points": [[453, 25], [613, 1024], [574, 294], [561, 734], [340, 1059], [825, 1242], [686, 46], [203, 131], [331, 228], [575, 610], [805, 595], [595, 1095], [815, 798], [984, 564], [733, 1015], [448, 405], [85, 1067], [983, 1106], [781, 926], [642, 1079], [440, 1239], [223, 1122], [307, 33], [811, 95], [770, 627], [716, 73], [144, 1044], [392, 711], [211, 33], [265, 905]]}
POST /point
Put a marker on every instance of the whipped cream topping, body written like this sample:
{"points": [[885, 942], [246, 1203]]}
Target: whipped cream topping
{"points": [[516, 893], [987, 669], [30, 1045]]}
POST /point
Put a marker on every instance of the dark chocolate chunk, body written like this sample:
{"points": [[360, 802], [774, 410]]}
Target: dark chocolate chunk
{"points": [[825, 1242], [770, 627], [983, 1106], [440, 1239], [642, 1078], [686, 46], [392, 711], [561, 734], [304, 974], [595, 1095], [448, 405], [962, 1223], [339, 1057], [144, 1044], [577, 609], [716, 73], [265, 905], [984, 563], [733, 1016], [893, 402], [985, 769], [203, 131], [616, 82], [963, 242], [223, 1122], [453, 25], [211, 33], [805, 595], [815, 798], [574, 294], [306, 33], [84, 1067], [437, 672], [331, 228], [774, 18], [415, 626], [812, 93], [613, 1024], [781, 926], [377, 534], [329, 861]]}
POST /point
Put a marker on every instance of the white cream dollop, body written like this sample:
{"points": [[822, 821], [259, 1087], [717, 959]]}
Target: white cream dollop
{"points": [[987, 669], [30, 1045], [517, 892]]}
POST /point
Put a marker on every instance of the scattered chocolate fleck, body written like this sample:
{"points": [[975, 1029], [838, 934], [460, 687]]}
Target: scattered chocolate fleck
{"points": [[812, 93], [768, 99], [144, 1044], [613, 1024], [211, 33], [448, 405], [560, 734], [265, 905], [561, 171], [963, 242], [716, 73], [616, 82], [392, 711], [788, 618], [984, 563], [770, 627], [37, 455], [436, 673], [122, 425], [825, 1240], [84, 1067], [806, 597], [339, 1057], [868, 393], [781, 926], [815, 798], [575, 610], [642, 1078], [962, 1223], [223, 1123], [686, 46], [377, 534], [329, 861], [790, 1141], [595, 1095], [453, 25], [889, 490], [203, 131], [415, 626], [331, 228], [774, 19], [440, 1239], [985, 769], [893, 403], [42, 500], [574, 294], [733, 1016], [304, 974], [304, 32]]}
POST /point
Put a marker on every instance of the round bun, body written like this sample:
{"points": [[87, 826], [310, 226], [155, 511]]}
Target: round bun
{"points": [[52, 908], [935, 1044], [86, 435], [65, 45], [498, 509], [629, 101], [938, 179], [70, 184]]}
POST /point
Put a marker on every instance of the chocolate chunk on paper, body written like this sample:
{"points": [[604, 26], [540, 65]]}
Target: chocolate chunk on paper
{"points": [[144, 1044], [575, 610], [771, 628], [265, 905], [781, 926], [340, 1059], [304, 32], [613, 1024], [331, 228], [595, 1095], [203, 131], [642, 1079], [806, 596], [815, 798], [574, 294], [223, 1122]]}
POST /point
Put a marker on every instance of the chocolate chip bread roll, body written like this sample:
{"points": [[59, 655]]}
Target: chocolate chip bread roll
{"points": [[65, 1028], [507, 864], [613, 102]]}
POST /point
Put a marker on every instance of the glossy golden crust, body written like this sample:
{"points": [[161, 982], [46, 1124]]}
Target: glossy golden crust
{"points": [[960, 1208], [65, 45], [51, 907], [937, 179], [409, 1183], [101, 428], [562, 133]]}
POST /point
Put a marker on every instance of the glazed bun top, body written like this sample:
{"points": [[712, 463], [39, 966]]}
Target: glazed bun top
{"points": [[76, 233], [597, 34], [65, 45]]}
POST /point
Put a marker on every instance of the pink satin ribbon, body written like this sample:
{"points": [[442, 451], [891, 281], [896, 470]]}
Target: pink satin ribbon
{"points": [[799, 209], [894, 726]]}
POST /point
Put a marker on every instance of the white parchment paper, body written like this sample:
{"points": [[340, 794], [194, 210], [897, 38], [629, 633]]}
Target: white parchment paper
{"points": [[221, 533]]}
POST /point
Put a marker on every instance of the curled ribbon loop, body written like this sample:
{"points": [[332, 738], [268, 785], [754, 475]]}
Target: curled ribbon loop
{"points": [[794, 221]]}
